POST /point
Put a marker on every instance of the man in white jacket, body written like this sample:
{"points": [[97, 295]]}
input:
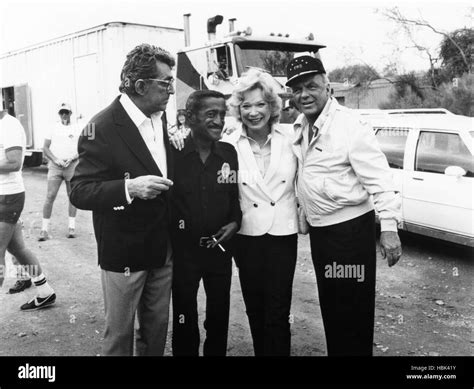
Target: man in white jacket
{"points": [[342, 177]]}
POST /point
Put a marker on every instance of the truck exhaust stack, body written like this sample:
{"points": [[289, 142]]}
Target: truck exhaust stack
{"points": [[187, 32], [231, 24], [211, 26]]}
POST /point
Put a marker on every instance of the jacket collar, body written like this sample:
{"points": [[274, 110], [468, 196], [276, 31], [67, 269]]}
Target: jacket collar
{"points": [[301, 123], [243, 132], [248, 159], [130, 134], [137, 116]]}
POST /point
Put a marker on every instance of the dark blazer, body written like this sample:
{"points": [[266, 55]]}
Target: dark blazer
{"points": [[132, 236]]}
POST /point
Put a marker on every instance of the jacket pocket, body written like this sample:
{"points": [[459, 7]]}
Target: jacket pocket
{"points": [[345, 190], [122, 249]]}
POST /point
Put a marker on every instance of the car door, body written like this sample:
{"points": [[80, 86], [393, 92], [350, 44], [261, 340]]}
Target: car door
{"points": [[432, 198], [392, 142]]}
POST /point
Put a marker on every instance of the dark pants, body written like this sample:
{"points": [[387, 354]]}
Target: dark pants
{"points": [[266, 269], [215, 269], [347, 299]]}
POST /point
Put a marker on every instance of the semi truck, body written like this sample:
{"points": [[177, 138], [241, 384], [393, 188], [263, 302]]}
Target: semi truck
{"points": [[218, 63], [83, 69]]}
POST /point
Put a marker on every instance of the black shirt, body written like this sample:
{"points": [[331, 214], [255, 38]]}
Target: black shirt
{"points": [[205, 196]]}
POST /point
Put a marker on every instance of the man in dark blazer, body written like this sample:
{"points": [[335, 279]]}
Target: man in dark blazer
{"points": [[123, 175]]}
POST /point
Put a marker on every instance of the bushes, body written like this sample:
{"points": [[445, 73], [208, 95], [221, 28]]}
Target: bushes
{"points": [[456, 96]]}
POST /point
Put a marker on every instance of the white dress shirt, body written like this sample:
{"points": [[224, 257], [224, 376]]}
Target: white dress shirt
{"points": [[151, 130], [262, 154]]}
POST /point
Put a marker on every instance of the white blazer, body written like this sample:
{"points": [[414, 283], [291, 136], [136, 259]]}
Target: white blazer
{"points": [[268, 203]]}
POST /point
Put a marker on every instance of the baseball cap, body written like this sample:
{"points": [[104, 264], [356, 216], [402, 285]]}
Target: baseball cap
{"points": [[301, 66], [64, 107]]}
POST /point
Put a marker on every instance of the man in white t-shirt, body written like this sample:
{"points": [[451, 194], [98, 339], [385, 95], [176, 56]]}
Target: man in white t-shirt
{"points": [[60, 147], [12, 201]]}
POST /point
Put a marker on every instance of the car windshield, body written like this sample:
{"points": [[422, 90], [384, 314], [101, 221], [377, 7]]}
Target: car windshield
{"points": [[274, 62], [267, 56]]}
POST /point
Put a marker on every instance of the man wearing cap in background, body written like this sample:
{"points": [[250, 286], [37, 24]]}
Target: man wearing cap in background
{"points": [[341, 169], [289, 112], [60, 146]]}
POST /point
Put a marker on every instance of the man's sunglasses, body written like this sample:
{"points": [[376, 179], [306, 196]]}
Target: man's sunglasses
{"points": [[168, 84]]}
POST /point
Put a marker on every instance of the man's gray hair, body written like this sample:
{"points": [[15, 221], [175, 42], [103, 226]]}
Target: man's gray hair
{"points": [[141, 64]]}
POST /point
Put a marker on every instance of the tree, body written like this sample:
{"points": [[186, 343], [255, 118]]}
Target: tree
{"points": [[452, 60], [354, 74], [407, 24], [390, 70], [448, 85], [456, 96], [408, 100], [276, 62], [407, 83], [408, 93]]}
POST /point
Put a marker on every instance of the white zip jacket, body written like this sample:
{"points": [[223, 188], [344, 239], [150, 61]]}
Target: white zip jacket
{"points": [[342, 170]]}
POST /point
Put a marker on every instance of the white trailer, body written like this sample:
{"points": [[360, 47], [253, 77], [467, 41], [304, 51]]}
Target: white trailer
{"points": [[82, 69]]}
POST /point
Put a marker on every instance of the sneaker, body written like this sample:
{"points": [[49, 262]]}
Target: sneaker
{"points": [[43, 236], [71, 233], [20, 286], [39, 303]]}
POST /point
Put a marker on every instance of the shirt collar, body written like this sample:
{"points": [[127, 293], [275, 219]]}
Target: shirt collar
{"points": [[298, 126], [323, 116], [137, 116], [275, 129], [301, 122], [190, 147]]}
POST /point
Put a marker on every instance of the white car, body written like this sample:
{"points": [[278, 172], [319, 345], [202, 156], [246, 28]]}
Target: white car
{"points": [[431, 157]]}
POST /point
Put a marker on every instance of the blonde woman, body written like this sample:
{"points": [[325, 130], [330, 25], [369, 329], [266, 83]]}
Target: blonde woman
{"points": [[267, 241]]}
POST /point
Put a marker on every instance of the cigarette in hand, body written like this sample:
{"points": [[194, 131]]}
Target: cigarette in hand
{"points": [[215, 240]]}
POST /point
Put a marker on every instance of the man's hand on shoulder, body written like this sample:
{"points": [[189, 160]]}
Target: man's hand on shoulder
{"points": [[177, 140], [148, 187], [390, 246]]}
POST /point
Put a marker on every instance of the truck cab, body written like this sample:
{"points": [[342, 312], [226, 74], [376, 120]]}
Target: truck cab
{"points": [[218, 63]]}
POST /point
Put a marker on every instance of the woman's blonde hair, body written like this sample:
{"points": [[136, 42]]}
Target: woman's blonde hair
{"points": [[251, 80]]}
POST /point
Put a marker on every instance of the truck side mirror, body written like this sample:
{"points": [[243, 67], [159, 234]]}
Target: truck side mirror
{"points": [[455, 171]]}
